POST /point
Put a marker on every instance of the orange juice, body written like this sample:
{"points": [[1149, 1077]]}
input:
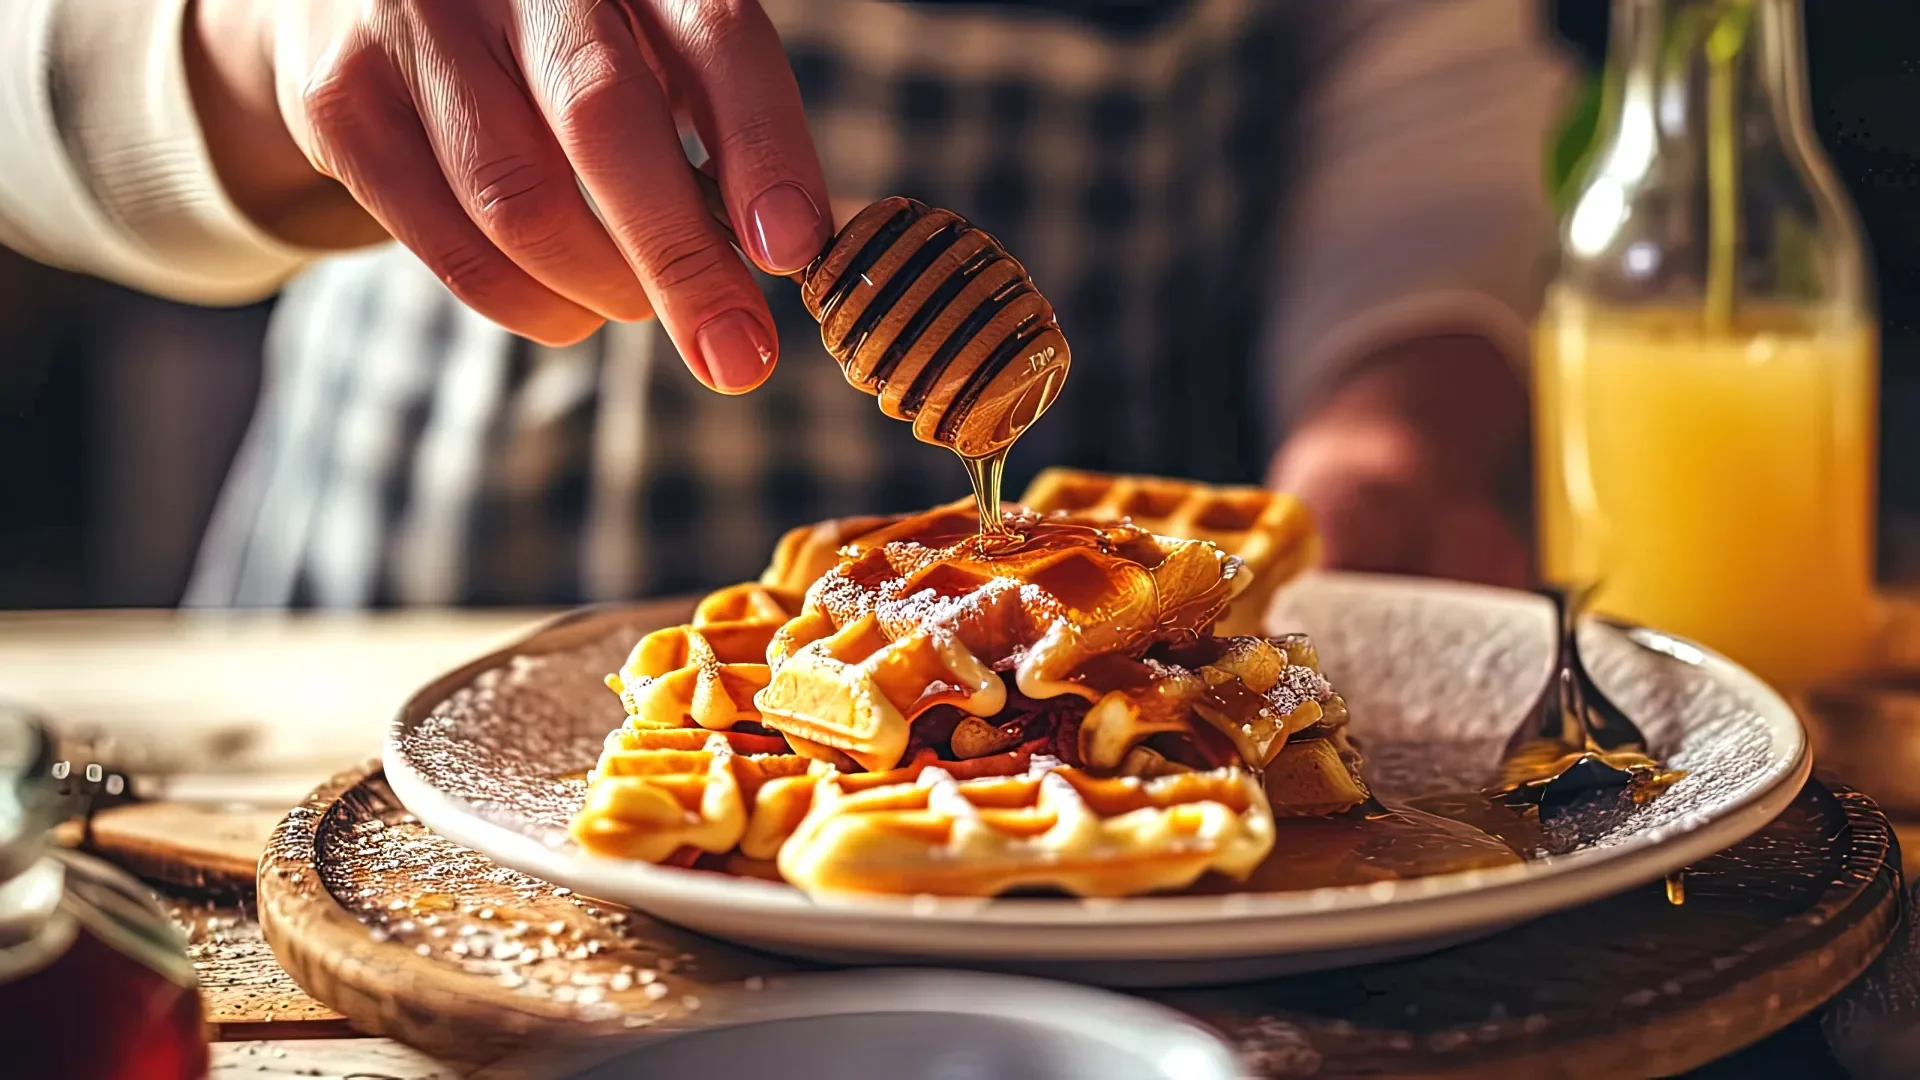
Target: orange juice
{"points": [[1718, 483]]}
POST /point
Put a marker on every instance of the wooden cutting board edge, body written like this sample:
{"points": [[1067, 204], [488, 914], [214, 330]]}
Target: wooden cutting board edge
{"points": [[441, 1009]]}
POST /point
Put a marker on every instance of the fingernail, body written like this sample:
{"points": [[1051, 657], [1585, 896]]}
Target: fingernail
{"points": [[788, 230], [736, 350]]}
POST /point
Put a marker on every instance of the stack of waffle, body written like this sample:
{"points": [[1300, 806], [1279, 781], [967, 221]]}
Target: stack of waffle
{"points": [[900, 706]]}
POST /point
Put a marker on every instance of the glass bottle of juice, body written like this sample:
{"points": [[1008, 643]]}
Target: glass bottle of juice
{"points": [[1706, 361]]}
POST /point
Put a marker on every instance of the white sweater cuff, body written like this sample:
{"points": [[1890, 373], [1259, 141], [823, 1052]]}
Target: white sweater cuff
{"points": [[108, 171]]}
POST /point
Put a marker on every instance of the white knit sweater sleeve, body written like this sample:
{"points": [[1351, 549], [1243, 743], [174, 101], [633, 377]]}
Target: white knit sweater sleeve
{"points": [[103, 168]]}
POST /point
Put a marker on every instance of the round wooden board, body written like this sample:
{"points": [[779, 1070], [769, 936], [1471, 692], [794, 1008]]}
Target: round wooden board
{"points": [[413, 937]]}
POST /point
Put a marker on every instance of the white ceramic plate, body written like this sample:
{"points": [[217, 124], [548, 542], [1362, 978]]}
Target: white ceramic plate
{"points": [[1437, 676]]}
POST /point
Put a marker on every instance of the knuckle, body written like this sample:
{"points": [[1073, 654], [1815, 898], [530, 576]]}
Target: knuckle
{"points": [[476, 275], [753, 137], [338, 95], [348, 112], [679, 258], [584, 76], [486, 281], [518, 203], [332, 106], [714, 25]]}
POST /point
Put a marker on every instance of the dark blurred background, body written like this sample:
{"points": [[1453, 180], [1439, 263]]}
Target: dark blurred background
{"points": [[119, 413]]}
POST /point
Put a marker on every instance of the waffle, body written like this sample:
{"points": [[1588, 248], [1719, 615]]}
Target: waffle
{"points": [[1271, 532], [805, 553], [706, 672], [888, 708], [1054, 828], [1261, 691], [1316, 771], [1245, 701], [657, 791], [1315, 777], [915, 616]]}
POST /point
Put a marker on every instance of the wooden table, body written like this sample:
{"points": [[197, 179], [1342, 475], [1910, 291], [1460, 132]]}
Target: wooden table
{"points": [[238, 716], [231, 718], [290, 698]]}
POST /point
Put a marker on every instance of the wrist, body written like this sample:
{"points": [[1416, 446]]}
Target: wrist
{"points": [[230, 74]]}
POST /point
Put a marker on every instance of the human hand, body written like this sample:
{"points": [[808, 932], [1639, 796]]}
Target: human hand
{"points": [[460, 126], [1401, 466]]}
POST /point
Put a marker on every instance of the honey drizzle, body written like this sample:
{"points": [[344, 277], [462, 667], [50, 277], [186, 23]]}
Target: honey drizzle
{"points": [[985, 474], [1677, 888]]}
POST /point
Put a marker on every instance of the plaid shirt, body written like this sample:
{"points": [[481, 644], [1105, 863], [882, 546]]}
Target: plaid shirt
{"points": [[407, 451]]}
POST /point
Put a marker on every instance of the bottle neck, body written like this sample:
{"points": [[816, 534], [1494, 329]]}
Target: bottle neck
{"points": [[1707, 184], [1670, 58]]}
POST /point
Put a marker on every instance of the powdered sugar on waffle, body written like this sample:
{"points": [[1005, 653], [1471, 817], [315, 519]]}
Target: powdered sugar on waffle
{"points": [[1297, 686], [900, 613]]}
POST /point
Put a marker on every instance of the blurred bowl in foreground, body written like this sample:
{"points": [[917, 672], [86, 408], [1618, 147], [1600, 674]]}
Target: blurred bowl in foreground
{"points": [[926, 1024]]}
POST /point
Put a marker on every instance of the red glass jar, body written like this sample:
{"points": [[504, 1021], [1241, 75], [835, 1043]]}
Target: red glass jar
{"points": [[95, 983]]}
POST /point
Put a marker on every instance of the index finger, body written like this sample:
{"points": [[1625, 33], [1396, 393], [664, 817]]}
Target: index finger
{"points": [[726, 58], [608, 111]]}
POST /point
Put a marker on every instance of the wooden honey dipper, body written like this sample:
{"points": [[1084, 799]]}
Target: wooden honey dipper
{"points": [[934, 318]]}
